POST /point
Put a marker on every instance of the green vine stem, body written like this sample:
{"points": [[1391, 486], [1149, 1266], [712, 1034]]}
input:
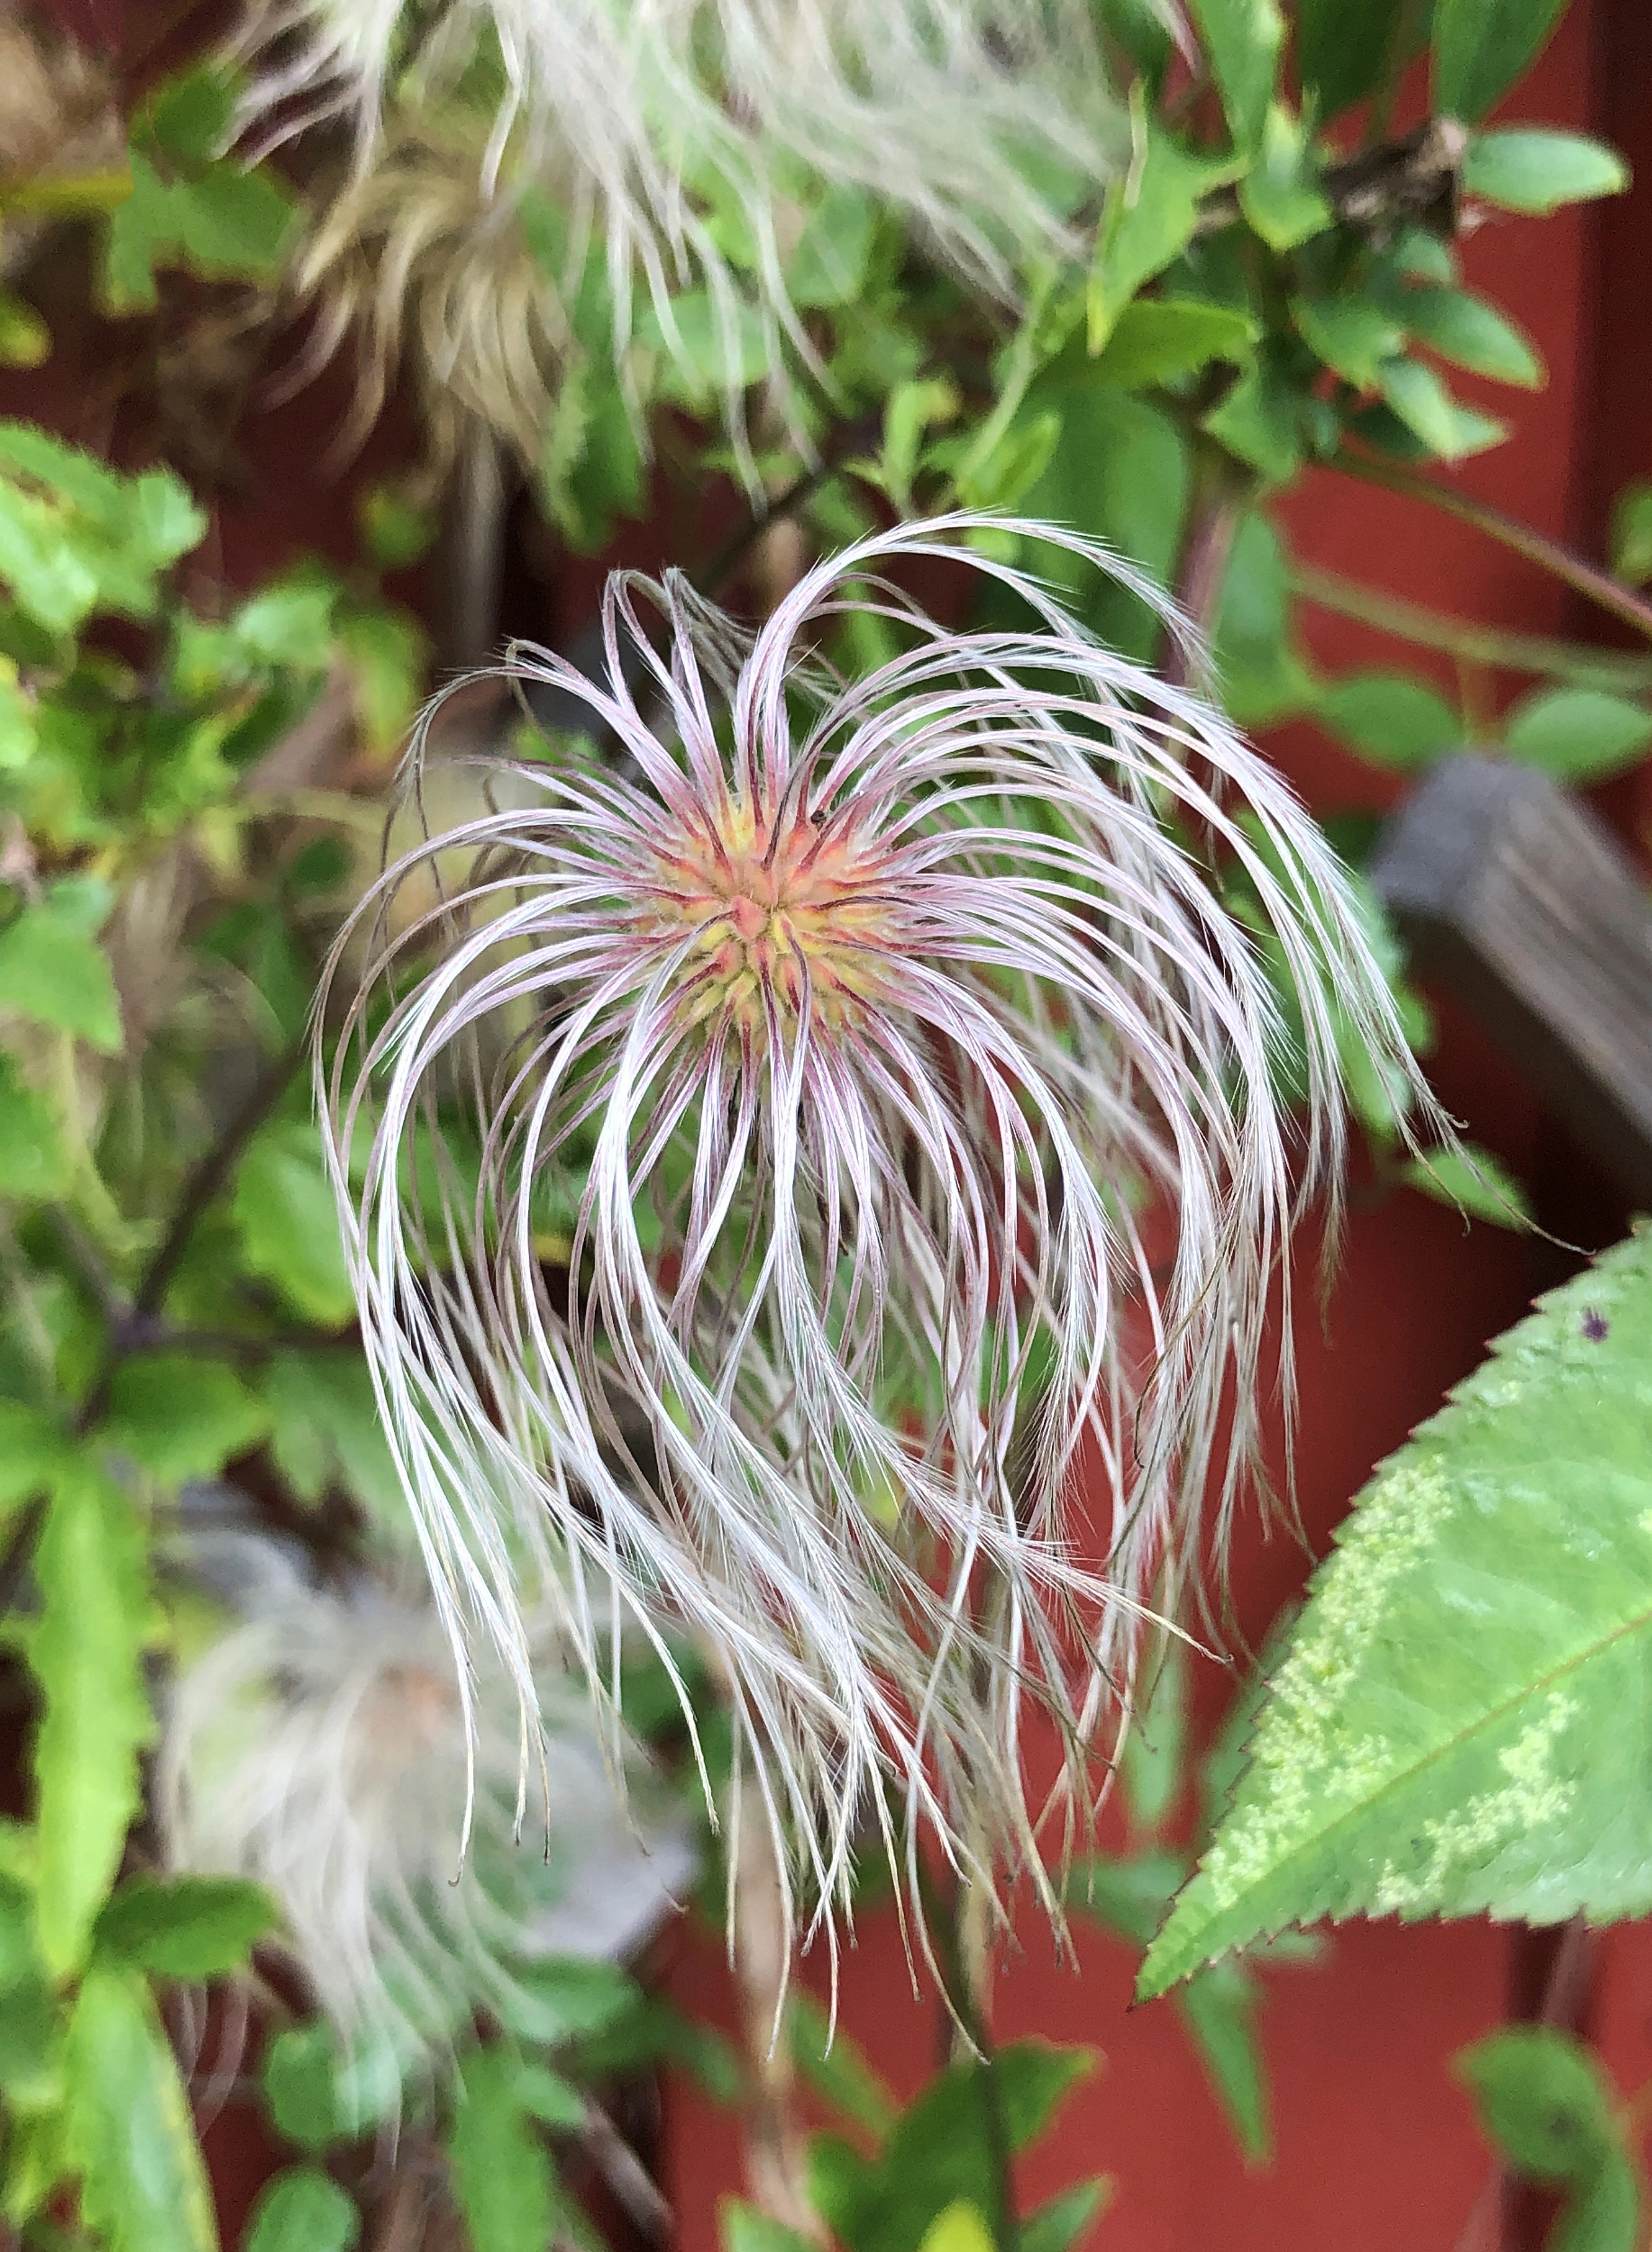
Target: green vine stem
{"points": [[1561, 562], [1475, 644]]}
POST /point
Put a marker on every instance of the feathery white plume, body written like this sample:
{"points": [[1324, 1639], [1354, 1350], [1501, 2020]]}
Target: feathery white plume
{"points": [[319, 1748], [853, 1024]]}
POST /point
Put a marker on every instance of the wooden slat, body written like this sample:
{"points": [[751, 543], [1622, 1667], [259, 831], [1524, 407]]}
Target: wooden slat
{"points": [[1521, 904]]}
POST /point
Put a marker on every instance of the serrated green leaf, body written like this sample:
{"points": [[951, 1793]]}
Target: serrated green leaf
{"points": [[33, 1162], [54, 974], [129, 2134], [301, 2209], [1542, 2099], [1390, 719], [1444, 1734], [1470, 1179], [1242, 39], [1529, 169], [326, 1430], [1577, 735], [1482, 47], [1632, 532], [1280, 195], [289, 1221], [179, 1417], [86, 1654], [745, 2230], [1353, 335], [1148, 220], [504, 2182], [1158, 340], [1472, 334], [1219, 2009], [193, 1928], [1057, 2224]]}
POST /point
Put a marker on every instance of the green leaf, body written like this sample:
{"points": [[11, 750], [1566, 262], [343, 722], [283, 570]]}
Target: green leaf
{"points": [[1482, 47], [181, 1417], [1219, 2009], [193, 1928], [302, 2210], [387, 652], [289, 1220], [1418, 397], [25, 341], [301, 2087], [1127, 1895], [1577, 735], [1279, 196], [546, 2097], [326, 1430], [1534, 170], [130, 2133], [86, 1654], [1142, 32], [1353, 335], [1158, 340], [286, 625], [1149, 218], [836, 2067], [1342, 46], [1632, 532], [1542, 2099], [19, 730], [57, 975], [1242, 39], [190, 116], [1260, 421], [960, 2226], [563, 1998], [1471, 1179], [1390, 719], [1472, 334], [1445, 1735], [396, 530], [33, 1453], [32, 1161], [828, 266], [504, 2182], [1061, 2222], [1604, 2212], [1261, 677], [1155, 1752], [745, 2229]]}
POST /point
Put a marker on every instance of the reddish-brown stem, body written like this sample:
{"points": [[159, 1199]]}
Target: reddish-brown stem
{"points": [[1576, 571]]}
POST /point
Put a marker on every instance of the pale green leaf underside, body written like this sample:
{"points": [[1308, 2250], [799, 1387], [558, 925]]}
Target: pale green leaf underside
{"points": [[1463, 1721]]}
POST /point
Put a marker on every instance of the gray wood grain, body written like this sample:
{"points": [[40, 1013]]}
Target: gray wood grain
{"points": [[1519, 902]]}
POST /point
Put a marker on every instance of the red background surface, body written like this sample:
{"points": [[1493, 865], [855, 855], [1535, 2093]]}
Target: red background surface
{"points": [[1376, 2144]]}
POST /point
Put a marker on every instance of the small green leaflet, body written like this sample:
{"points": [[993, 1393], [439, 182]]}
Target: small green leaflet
{"points": [[1355, 337], [1482, 47], [1149, 220], [1577, 735], [1242, 39], [55, 972], [86, 1656], [130, 2137], [33, 1162], [1342, 46], [1529, 169], [1470, 1180], [504, 2181], [745, 2230], [289, 1220], [178, 1416], [1158, 340], [1444, 1736], [1546, 2103], [1390, 719], [1632, 532], [192, 1928], [1279, 195], [302, 2210], [1470, 333]]}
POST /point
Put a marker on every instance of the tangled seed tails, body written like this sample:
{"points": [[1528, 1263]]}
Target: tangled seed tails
{"points": [[842, 1033]]}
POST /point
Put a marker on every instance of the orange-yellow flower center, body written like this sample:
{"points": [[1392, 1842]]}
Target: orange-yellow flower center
{"points": [[802, 915]]}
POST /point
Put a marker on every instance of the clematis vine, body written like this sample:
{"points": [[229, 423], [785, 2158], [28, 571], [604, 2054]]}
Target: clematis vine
{"points": [[902, 1086]]}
